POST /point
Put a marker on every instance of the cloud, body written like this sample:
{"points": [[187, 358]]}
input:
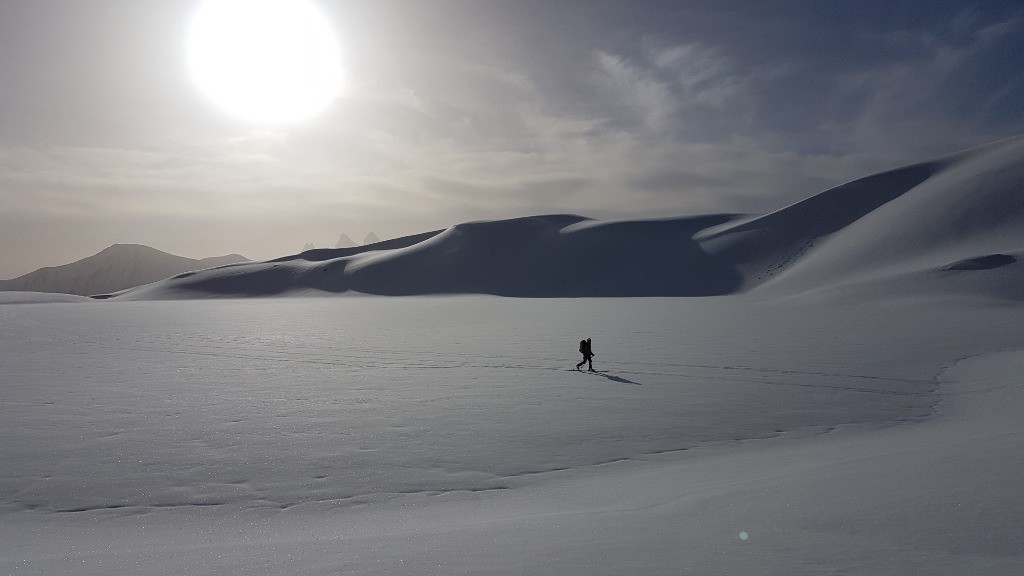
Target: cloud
{"points": [[939, 96], [702, 76], [690, 108], [638, 93], [669, 129], [685, 91]]}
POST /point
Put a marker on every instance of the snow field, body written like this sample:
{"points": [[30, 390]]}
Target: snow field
{"points": [[447, 435]]}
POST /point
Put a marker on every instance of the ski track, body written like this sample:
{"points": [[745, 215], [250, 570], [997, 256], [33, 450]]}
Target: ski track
{"points": [[355, 357], [265, 352], [400, 362]]}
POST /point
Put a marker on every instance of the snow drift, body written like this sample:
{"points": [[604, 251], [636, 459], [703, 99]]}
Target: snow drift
{"points": [[28, 297], [906, 229]]}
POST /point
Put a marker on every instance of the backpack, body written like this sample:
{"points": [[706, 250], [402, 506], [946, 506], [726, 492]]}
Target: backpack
{"points": [[583, 346]]}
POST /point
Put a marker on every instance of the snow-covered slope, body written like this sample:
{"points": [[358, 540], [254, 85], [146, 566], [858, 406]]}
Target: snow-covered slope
{"points": [[410, 436], [539, 256], [906, 229], [812, 434], [115, 268], [19, 297], [967, 208]]}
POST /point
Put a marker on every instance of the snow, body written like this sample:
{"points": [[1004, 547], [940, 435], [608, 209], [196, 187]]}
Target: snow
{"points": [[971, 208], [23, 297], [844, 399], [448, 435], [912, 220]]}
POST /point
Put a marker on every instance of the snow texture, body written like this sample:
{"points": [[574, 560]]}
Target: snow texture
{"points": [[450, 435], [23, 297], [846, 400]]}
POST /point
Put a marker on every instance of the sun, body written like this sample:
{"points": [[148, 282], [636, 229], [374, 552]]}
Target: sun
{"points": [[264, 61]]}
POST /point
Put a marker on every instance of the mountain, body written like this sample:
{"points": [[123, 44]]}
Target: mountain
{"points": [[911, 228], [218, 261], [371, 238], [115, 268], [344, 241], [951, 224]]}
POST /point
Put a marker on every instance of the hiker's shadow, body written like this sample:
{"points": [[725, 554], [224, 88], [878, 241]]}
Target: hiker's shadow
{"points": [[615, 378]]}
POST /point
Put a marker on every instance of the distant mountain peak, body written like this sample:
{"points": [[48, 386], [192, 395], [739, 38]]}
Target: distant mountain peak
{"points": [[128, 249], [116, 267], [344, 241]]}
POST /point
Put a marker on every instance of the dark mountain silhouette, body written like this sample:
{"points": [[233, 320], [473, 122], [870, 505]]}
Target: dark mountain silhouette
{"points": [[115, 268], [953, 224]]}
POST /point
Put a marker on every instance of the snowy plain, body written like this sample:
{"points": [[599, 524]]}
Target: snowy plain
{"points": [[843, 397], [448, 435]]}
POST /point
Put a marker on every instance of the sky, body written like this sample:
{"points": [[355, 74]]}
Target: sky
{"points": [[461, 110]]}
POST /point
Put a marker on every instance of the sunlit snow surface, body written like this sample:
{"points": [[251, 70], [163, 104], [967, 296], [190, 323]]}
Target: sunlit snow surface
{"points": [[449, 435]]}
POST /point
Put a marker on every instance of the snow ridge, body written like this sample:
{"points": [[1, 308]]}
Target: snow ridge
{"points": [[904, 229]]}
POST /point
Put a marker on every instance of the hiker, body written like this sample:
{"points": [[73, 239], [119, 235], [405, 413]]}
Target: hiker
{"points": [[588, 355]]}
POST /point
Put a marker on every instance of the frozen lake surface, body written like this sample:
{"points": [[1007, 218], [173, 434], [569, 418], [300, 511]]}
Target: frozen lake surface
{"points": [[375, 435]]}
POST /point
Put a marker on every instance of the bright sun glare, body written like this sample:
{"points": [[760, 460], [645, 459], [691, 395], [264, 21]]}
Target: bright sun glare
{"points": [[264, 61]]}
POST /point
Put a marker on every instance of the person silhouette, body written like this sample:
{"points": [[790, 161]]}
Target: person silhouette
{"points": [[588, 355]]}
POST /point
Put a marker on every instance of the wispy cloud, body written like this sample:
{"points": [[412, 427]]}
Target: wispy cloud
{"points": [[648, 99], [933, 99], [692, 107], [685, 90]]}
